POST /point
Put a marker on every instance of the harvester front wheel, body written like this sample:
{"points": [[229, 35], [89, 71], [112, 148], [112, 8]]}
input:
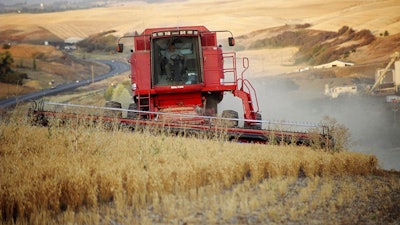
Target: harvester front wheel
{"points": [[254, 125], [113, 113], [131, 114]]}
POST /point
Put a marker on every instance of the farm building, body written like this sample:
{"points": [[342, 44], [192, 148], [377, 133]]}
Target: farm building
{"points": [[70, 43], [336, 63]]}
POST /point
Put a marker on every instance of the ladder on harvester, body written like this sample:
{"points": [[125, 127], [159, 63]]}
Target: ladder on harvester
{"points": [[144, 105]]}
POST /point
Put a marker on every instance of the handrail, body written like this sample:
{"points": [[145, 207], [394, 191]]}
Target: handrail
{"points": [[230, 58], [251, 91], [246, 83]]}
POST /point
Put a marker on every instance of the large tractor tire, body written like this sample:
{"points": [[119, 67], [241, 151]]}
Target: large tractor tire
{"points": [[113, 113], [258, 125], [212, 101], [230, 114], [132, 115], [255, 125]]}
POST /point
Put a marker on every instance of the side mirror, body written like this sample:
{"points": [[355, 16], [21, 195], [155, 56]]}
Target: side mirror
{"points": [[120, 47], [231, 41]]}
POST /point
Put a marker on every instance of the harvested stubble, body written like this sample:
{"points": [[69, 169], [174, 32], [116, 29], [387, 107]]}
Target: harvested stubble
{"points": [[49, 173]]}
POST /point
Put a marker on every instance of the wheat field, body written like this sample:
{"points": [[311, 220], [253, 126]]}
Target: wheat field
{"points": [[84, 174], [240, 17]]}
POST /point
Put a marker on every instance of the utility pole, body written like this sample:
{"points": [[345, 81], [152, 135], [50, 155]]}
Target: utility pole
{"points": [[92, 74]]}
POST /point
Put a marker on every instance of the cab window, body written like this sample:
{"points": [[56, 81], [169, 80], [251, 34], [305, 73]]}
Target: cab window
{"points": [[176, 61]]}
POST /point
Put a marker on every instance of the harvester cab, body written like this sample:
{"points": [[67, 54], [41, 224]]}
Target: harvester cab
{"points": [[182, 70]]}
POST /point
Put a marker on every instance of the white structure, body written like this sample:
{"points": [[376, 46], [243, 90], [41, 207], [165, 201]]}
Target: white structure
{"points": [[334, 92], [392, 98], [70, 47], [70, 43], [336, 63], [72, 40]]}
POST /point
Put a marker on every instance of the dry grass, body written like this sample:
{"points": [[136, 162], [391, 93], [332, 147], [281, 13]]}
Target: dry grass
{"points": [[86, 175], [10, 90]]}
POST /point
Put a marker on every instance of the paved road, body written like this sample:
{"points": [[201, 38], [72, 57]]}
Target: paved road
{"points": [[115, 68]]}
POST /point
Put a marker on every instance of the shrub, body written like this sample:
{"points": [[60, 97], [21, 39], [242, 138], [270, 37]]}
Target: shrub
{"points": [[340, 133], [122, 94], [386, 33], [6, 46], [109, 93], [302, 26]]}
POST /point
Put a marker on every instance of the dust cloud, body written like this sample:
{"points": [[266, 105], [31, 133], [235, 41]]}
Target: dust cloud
{"points": [[369, 119]]}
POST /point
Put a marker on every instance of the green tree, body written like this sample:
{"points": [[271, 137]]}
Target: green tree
{"points": [[6, 73], [6, 60]]}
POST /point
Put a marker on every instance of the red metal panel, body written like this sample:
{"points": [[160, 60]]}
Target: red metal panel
{"points": [[179, 99], [142, 43], [140, 62], [178, 88], [219, 88], [133, 73], [209, 39], [212, 62]]}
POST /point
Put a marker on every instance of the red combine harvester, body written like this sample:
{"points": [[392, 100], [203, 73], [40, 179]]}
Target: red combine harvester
{"points": [[181, 70], [179, 75]]}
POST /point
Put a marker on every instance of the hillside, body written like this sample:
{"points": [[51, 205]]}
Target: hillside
{"points": [[314, 47], [129, 16], [46, 66], [240, 17], [319, 46]]}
